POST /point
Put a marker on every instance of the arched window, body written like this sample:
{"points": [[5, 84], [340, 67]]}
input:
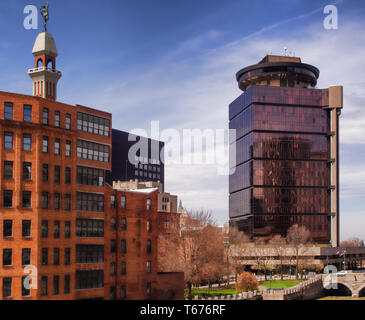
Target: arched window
{"points": [[39, 63], [49, 64]]}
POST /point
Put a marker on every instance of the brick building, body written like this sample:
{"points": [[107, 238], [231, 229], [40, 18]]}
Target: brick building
{"points": [[58, 212]]}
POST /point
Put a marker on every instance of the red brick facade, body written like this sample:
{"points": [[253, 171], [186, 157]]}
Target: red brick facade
{"points": [[140, 279]]}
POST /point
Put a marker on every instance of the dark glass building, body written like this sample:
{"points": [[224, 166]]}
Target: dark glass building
{"points": [[144, 167], [286, 168]]}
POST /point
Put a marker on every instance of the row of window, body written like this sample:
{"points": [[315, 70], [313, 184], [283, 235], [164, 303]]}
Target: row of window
{"points": [[93, 124], [93, 151], [113, 246], [85, 122], [123, 291], [89, 254], [90, 176], [57, 119], [27, 200], [27, 172], [123, 268], [8, 228], [56, 256], [27, 144], [56, 146], [90, 202], [56, 229], [90, 228], [145, 174], [8, 286]]}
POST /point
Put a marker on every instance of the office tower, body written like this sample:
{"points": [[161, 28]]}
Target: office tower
{"points": [[286, 168]]}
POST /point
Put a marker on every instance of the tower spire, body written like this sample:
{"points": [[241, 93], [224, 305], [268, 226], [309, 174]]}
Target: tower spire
{"points": [[44, 74]]}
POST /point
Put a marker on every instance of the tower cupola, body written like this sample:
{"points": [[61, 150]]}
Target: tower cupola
{"points": [[44, 74]]}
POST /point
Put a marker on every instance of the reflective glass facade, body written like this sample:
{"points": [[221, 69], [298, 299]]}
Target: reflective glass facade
{"points": [[282, 174]]}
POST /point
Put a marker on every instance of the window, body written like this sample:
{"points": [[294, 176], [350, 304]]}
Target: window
{"points": [[8, 140], [56, 285], [45, 145], [91, 202], [56, 256], [67, 202], [68, 175], [124, 246], [67, 229], [149, 266], [7, 257], [8, 169], [57, 174], [45, 116], [44, 256], [149, 204], [57, 147], [44, 285], [8, 111], [27, 199], [45, 172], [25, 291], [27, 170], [112, 269], [113, 246], [68, 149], [113, 224], [90, 176], [27, 142], [57, 201], [68, 121], [44, 229], [149, 288], [90, 228], [26, 228], [112, 293], [93, 124], [8, 228], [124, 224], [112, 201], [67, 284], [89, 253], [56, 229], [123, 292], [57, 119], [27, 113], [93, 151], [67, 256], [89, 279], [124, 202], [8, 198], [149, 226], [25, 257], [123, 268], [7, 287], [44, 200], [149, 246]]}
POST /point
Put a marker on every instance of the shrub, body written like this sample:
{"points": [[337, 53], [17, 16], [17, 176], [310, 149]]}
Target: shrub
{"points": [[247, 281]]}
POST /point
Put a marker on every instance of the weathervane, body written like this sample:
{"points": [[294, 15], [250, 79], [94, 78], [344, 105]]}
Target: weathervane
{"points": [[45, 15]]}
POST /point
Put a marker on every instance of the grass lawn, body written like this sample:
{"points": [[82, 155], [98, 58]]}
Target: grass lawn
{"points": [[214, 291], [280, 283]]}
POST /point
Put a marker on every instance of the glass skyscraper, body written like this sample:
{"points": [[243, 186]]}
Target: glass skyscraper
{"points": [[286, 168]]}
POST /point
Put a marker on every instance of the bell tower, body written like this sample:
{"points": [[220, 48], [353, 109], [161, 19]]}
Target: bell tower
{"points": [[44, 74]]}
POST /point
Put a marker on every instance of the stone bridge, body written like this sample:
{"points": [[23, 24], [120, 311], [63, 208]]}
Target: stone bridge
{"points": [[353, 281]]}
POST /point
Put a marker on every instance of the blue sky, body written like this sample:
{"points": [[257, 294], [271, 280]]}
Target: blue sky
{"points": [[175, 61]]}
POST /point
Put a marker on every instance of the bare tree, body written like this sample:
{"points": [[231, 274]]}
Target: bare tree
{"points": [[279, 245], [196, 248], [263, 256], [298, 237], [352, 242]]}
